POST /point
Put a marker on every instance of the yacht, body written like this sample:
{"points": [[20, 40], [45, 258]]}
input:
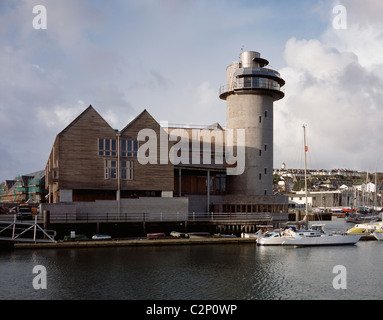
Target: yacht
{"points": [[323, 239], [316, 236], [278, 237], [273, 238]]}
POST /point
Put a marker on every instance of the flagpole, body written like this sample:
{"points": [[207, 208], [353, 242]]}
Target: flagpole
{"points": [[305, 148]]}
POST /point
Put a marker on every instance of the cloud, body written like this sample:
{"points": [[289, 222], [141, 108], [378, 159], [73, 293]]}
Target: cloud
{"points": [[169, 57], [333, 85]]}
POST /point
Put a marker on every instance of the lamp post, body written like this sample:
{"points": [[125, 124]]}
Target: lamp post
{"points": [[118, 196]]}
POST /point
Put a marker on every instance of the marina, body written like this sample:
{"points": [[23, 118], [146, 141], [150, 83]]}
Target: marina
{"points": [[237, 270], [152, 151]]}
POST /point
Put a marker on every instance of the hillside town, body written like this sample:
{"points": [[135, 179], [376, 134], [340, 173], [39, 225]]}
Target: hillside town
{"points": [[329, 189]]}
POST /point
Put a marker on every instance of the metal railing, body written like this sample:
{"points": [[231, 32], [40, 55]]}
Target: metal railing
{"points": [[157, 217], [25, 232], [255, 83]]}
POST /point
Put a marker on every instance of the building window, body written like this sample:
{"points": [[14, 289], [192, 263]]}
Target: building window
{"points": [[260, 119], [260, 152], [107, 147], [129, 148], [265, 114], [100, 147], [265, 192], [260, 176], [127, 170], [265, 147], [113, 169], [114, 148], [265, 171], [220, 182], [110, 169]]}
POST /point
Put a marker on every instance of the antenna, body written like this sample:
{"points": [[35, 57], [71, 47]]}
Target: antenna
{"points": [[241, 51]]}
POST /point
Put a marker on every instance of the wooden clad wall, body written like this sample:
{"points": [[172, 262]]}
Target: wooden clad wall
{"points": [[80, 167], [75, 163], [149, 176]]}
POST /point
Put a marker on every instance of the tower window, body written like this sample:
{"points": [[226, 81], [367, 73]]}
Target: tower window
{"points": [[260, 119], [265, 147], [265, 170], [265, 114], [260, 152], [260, 176]]}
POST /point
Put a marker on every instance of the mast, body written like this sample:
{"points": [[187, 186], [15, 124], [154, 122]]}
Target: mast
{"points": [[305, 146], [376, 186]]}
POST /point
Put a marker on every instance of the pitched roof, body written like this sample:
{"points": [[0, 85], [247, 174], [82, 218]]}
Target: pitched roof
{"points": [[144, 112], [82, 114]]}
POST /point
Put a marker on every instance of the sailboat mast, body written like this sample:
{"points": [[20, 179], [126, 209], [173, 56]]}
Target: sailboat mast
{"points": [[305, 146]]}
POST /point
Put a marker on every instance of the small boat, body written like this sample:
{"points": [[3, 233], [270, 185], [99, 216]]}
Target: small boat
{"points": [[249, 235], [219, 235], [101, 237], [155, 235], [177, 234], [199, 235]]}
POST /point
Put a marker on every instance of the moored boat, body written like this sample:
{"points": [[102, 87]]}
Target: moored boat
{"points": [[196, 235], [322, 240], [177, 234], [364, 229]]}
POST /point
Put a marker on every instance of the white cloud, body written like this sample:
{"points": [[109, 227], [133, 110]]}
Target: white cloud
{"points": [[60, 116], [333, 85], [170, 57]]}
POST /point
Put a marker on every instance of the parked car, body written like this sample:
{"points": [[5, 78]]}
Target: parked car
{"points": [[24, 212]]}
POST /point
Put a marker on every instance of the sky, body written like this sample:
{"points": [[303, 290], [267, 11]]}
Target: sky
{"points": [[170, 57]]}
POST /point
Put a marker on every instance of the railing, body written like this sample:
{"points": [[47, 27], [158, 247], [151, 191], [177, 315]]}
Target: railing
{"points": [[254, 83], [25, 232], [157, 217]]}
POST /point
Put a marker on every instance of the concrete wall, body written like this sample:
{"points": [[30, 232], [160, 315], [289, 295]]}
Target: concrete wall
{"points": [[254, 113], [100, 208]]}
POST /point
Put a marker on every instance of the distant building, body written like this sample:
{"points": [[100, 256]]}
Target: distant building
{"points": [[28, 187]]}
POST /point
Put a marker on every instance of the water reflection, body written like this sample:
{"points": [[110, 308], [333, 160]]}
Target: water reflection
{"points": [[233, 272]]}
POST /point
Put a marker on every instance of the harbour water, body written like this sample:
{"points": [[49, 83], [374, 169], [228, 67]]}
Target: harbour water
{"points": [[196, 272]]}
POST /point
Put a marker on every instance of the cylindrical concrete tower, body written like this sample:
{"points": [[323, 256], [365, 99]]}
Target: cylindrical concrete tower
{"points": [[250, 92]]}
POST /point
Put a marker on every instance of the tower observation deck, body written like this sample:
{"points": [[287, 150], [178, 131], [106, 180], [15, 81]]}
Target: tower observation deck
{"points": [[250, 76], [250, 92]]}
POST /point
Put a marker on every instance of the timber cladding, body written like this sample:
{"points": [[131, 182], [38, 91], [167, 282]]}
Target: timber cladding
{"points": [[76, 162]]}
